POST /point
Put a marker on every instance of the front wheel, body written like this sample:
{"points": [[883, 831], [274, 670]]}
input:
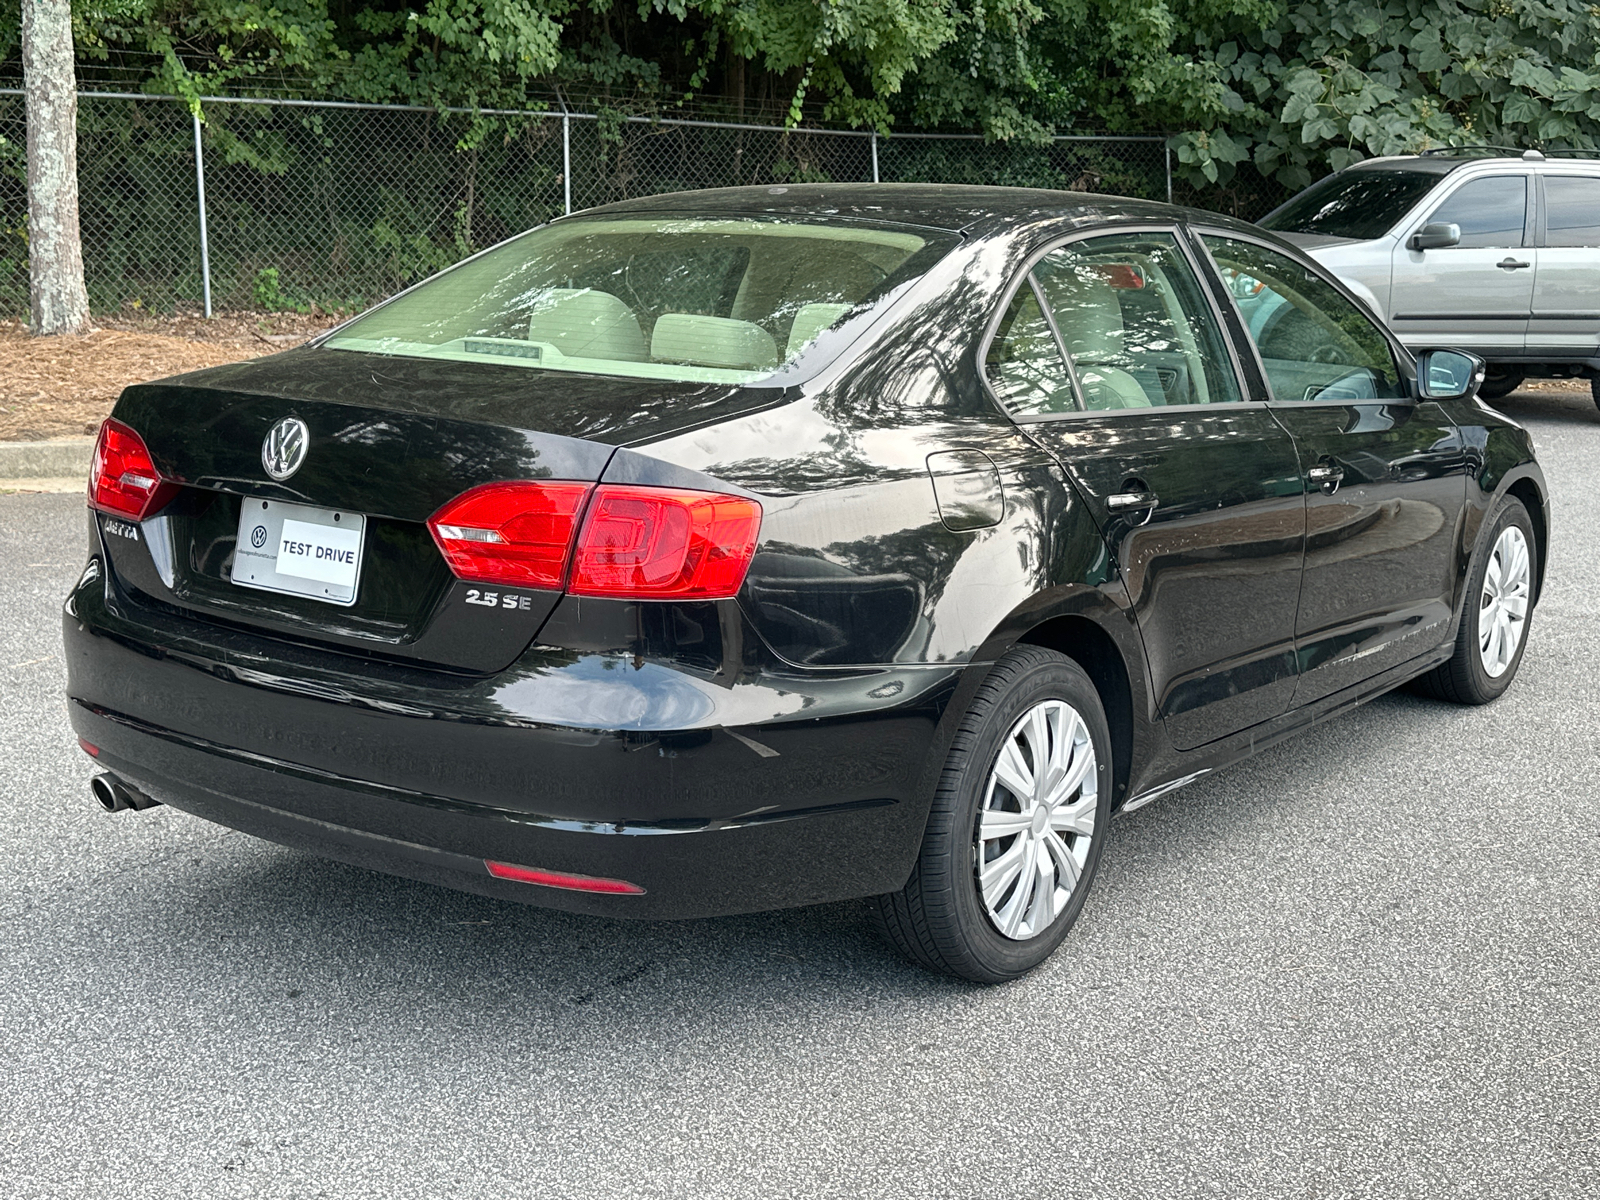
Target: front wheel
{"points": [[1499, 607], [1016, 828]]}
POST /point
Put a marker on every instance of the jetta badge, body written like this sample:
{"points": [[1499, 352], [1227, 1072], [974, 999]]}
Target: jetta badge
{"points": [[285, 448]]}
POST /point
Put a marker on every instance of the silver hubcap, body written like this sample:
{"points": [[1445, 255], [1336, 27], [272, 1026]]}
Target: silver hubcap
{"points": [[1037, 820], [1503, 610]]}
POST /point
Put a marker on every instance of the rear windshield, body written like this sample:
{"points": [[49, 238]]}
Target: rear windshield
{"points": [[657, 297], [1353, 204]]}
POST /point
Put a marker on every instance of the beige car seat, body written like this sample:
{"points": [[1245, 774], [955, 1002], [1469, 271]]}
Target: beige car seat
{"points": [[584, 323], [1090, 319], [712, 342], [810, 321]]}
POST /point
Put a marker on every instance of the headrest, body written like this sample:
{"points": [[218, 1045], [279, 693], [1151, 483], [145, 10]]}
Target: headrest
{"points": [[811, 320], [1087, 312], [584, 323], [712, 342]]}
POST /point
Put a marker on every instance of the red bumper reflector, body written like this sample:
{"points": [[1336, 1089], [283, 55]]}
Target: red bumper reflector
{"points": [[89, 748], [558, 879]]}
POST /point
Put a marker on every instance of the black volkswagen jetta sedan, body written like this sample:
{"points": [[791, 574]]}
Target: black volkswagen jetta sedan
{"points": [[726, 551]]}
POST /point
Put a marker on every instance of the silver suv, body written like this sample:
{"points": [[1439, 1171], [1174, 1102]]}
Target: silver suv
{"points": [[1494, 251]]}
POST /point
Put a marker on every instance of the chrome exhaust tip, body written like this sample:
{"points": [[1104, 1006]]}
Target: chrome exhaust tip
{"points": [[113, 795]]}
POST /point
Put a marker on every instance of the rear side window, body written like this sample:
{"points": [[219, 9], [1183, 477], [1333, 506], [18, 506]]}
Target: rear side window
{"points": [[1024, 362], [1572, 210], [1353, 204], [1491, 212], [1314, 343], [1135, 324]]}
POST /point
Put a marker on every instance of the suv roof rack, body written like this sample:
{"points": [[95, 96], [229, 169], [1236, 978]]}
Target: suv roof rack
{"points": [[1481, 148], [1530, 154]]}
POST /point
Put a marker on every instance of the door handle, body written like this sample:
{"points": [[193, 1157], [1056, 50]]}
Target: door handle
{"points": [[1326, 476], [1510, 264], [1133, 502]]}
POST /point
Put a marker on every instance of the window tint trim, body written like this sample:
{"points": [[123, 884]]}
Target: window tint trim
{"points": [[1255, 368], [1405, 363], [1177, 232], [1043, 302]]}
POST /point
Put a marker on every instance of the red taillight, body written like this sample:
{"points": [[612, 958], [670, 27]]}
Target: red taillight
{"points": [[636, 543], [515, 534], [123, 479], [559, 879], [664, 544]]}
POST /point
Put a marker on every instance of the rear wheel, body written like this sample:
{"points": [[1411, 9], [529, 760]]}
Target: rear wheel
{"points": [[1499, 382], [1017, 825], [1594, 390], [1499, 606]]}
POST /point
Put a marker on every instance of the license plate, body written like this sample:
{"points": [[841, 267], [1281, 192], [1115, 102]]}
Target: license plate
{"points": [[299, 550]]}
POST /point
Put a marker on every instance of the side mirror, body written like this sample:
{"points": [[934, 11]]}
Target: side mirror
{"points": [[1435, 235], [1448, 374]]}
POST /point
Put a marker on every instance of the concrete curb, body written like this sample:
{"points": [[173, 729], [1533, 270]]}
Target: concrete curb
{"points": [[67, 458]]}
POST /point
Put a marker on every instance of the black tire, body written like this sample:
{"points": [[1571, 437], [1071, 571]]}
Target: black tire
{"points": [[1594, 390], [1499, 383], [938, 919], [1463, 679]]}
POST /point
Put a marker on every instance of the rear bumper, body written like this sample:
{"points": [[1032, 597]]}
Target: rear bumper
{"points": [[429, 778]]}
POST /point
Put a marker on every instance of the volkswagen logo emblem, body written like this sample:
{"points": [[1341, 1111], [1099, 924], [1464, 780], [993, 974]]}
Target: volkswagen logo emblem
{"points": [[285, 448]]}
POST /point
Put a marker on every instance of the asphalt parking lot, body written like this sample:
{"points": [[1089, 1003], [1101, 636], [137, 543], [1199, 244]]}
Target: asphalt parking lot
{"points": [[1362, 964]]}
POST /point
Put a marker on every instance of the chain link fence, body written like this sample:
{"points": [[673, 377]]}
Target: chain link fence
{"points": [[281, 205]]}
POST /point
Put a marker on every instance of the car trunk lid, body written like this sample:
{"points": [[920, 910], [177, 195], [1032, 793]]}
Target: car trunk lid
{"points": [[389, 439]]}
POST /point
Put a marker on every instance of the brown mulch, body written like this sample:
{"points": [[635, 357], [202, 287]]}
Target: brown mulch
{"points": [[64, 386]]}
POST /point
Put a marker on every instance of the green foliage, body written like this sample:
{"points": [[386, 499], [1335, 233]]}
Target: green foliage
{"points": [[1262, 89], [270, 297], [1326, 85]]}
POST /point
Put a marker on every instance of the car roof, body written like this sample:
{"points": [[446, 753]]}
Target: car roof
{"points": [[956, 208], [1431, 164]]}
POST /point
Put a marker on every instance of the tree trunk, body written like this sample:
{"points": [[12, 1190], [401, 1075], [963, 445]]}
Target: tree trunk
{"points": [[55, 254]]}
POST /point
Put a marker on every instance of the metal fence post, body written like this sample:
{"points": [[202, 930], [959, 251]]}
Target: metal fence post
{"points": [[1167, 149], [200, 192], [566, 154], [874, 156]]}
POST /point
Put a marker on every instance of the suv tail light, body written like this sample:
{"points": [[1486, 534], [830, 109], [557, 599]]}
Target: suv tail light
{"points": [[123, 479], [635, 543]]}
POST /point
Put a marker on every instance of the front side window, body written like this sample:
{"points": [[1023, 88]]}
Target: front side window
{"points": [[1491, 212], [1314, 342], [1572, 210], [1135, 323], [728, 300], [1359, 204]]}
